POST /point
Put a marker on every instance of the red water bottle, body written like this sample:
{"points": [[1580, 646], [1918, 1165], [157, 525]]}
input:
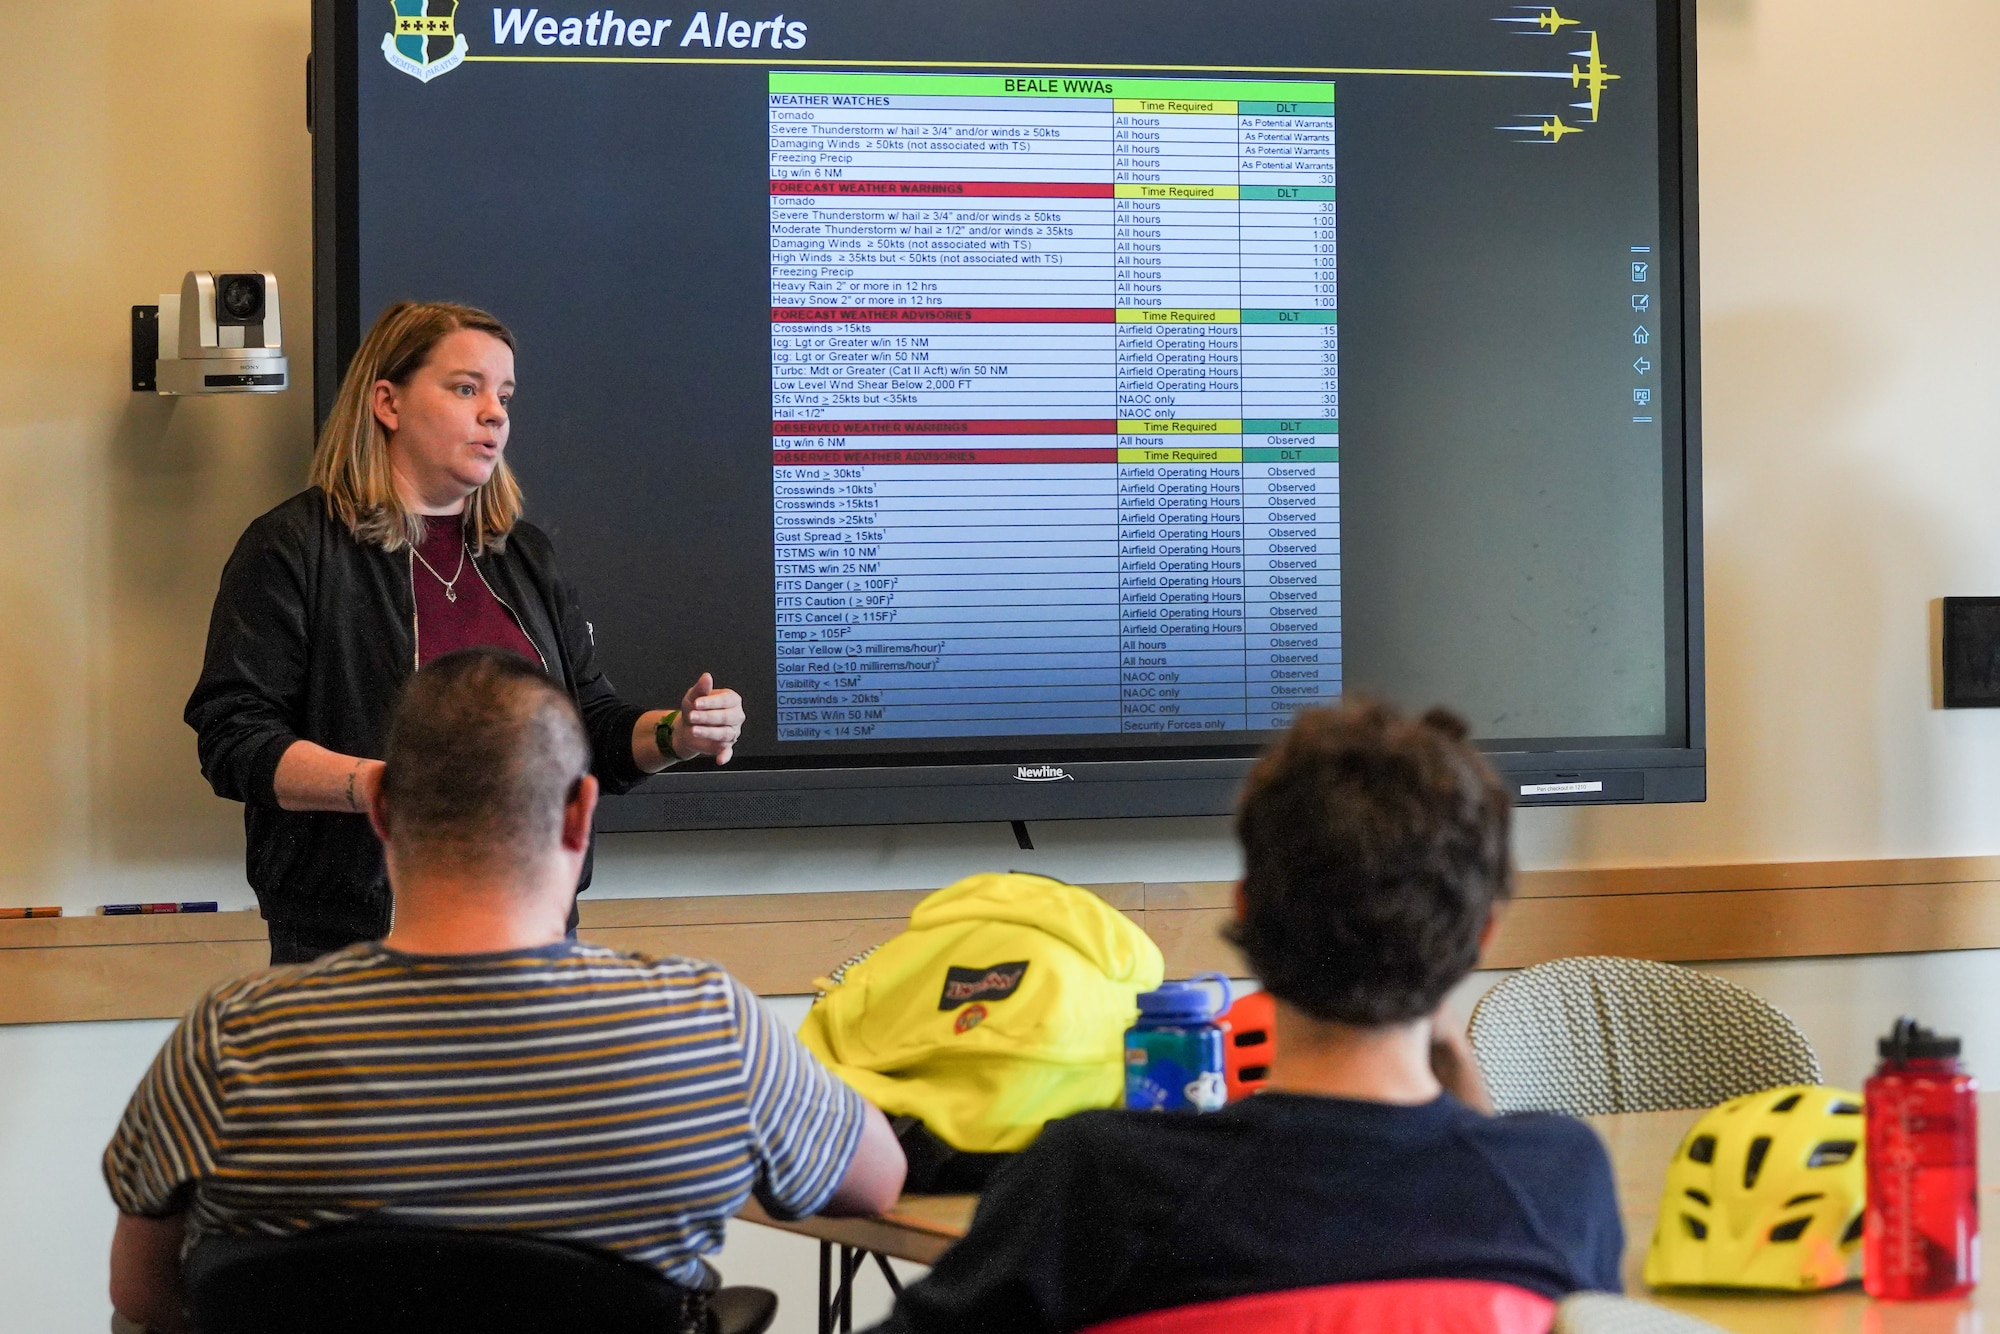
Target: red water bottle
{"points": [[1921, 1238]]}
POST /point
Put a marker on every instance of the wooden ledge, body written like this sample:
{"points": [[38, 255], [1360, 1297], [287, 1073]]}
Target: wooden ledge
{"points": [[86, 968], [1757, 875], [58, 933]]}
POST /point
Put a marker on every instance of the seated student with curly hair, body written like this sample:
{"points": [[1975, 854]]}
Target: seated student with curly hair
{"points": [[1375, 854]]}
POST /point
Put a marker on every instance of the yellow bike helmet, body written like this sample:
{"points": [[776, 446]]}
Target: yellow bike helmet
{"points": [[1765, 1192]]}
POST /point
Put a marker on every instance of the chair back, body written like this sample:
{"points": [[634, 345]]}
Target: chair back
{"points": [[408, 1280], [1603, 1313], [1593, 1034], [1397, 1306]]}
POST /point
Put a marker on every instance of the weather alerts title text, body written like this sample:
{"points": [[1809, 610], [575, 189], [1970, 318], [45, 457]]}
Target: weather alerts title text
{"points": [[606, 27]]}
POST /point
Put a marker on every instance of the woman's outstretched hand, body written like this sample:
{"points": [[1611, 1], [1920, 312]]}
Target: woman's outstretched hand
{"points": [[711, 721]]}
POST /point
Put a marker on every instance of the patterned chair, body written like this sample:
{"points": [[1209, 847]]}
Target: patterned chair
{"points": [[1595, 1034], [1602, 1313]]}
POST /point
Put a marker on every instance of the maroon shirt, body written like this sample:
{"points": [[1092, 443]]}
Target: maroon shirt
{"points": [[472, 619]]}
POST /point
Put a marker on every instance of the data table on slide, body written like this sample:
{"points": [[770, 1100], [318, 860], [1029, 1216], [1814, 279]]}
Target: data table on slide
{"points": [[1055, 404]]}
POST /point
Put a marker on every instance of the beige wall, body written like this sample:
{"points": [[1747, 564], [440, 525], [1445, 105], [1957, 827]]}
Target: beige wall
{"points": [[1850, 186], [1851, 176], [137, 140]]}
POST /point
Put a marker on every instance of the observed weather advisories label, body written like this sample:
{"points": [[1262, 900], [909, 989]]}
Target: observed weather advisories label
{"points": [[1055, 404]]}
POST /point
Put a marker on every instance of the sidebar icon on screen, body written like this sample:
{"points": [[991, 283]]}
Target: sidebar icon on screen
{"points": [[1642, 273]]}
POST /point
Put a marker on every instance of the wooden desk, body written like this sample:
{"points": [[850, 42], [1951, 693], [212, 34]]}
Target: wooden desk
{"points": [[1641, 1145], [919, 1229], [922, 1227]]}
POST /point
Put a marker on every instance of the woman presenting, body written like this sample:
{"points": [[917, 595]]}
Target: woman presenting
{"points": [[409, 544]]}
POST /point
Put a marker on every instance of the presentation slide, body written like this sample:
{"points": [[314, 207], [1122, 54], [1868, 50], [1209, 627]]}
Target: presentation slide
{"points": [[1055, 381], [958, 378]]}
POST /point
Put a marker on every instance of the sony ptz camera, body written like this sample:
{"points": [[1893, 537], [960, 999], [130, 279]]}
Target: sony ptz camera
{"points": [[221, 335]]}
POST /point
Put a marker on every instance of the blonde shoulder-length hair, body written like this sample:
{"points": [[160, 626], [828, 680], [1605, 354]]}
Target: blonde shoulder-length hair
{"points": [[351, 461]]}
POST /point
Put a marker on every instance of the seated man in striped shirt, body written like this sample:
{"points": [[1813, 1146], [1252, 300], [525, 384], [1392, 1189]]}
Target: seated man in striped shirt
{"points": [[477, 1069]]}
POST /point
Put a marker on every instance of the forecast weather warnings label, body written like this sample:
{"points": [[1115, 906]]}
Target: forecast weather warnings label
{"points": [[1055, 404]]}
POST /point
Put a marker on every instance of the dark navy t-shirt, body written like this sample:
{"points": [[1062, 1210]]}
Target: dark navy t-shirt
{"points": [[1113, 1213]]}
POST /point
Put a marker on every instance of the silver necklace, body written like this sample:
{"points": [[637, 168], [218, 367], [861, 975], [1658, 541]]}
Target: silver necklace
{"points": [[450, 593]]}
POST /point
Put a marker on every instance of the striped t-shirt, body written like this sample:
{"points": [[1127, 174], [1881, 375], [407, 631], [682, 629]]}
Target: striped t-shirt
{"points": [[573, 1092]]}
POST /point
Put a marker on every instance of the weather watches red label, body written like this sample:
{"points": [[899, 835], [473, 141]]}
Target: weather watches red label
{"points": [[995, 982]]}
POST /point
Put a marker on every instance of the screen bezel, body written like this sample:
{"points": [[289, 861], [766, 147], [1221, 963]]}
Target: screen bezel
{"points": [[920, 788]]}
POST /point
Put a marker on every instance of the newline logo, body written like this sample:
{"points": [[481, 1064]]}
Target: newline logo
{"points": [[1042, 773]]}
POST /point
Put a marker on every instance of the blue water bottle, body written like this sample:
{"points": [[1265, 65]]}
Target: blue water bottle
{"points": [[1173, 1055]]}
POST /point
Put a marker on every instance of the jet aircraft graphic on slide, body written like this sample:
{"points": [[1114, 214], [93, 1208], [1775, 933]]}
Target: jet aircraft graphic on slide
{"points": [[1547, 130], [1595, 76], [1545, 17]]}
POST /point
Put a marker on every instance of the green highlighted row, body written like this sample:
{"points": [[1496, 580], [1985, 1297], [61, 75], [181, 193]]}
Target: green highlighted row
{"points": [[1293, 426], [1306, 192], [1244, 108], [1290, 317], [1260, 94], [1330, 454]]}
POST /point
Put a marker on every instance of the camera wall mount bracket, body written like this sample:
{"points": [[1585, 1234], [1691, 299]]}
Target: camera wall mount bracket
{"points": [[222, 336]]}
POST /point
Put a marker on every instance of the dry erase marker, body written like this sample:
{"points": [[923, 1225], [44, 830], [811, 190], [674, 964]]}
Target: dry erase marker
{"points": [[29, 912]]}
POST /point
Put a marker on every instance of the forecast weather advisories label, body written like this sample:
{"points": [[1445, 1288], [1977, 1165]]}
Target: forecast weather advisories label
{"points": [[1055, 404]]}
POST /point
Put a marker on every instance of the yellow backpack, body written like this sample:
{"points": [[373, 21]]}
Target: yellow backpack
{"points": [[1003, 1006]]}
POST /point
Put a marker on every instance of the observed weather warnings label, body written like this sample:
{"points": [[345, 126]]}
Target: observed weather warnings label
{"points": [[1055, 404]]}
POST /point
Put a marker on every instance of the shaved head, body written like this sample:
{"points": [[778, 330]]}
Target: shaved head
{"points": [[483, 753]]}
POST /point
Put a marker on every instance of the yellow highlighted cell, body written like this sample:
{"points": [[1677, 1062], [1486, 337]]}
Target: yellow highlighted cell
{"points": [[1169, 191], [1178, 426], [1173, 106], [1180, 454], [1180, 316]]}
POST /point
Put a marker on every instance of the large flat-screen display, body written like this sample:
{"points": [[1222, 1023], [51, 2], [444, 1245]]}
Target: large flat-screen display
{"points": [[1029, 406]]}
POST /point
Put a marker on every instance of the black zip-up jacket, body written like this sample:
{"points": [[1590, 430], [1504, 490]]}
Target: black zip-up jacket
{"points": [[312, 636]]}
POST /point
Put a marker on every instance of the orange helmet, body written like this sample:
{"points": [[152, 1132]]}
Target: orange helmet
{"points": [[1247, 1043]]}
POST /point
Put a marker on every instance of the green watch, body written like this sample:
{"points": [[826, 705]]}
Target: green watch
{"points": [[663, 735]]}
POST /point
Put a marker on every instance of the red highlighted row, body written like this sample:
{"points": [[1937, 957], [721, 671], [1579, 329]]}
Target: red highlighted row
{"points": [[948, 189], [941, 315], [945, 428], [798, 458]]}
